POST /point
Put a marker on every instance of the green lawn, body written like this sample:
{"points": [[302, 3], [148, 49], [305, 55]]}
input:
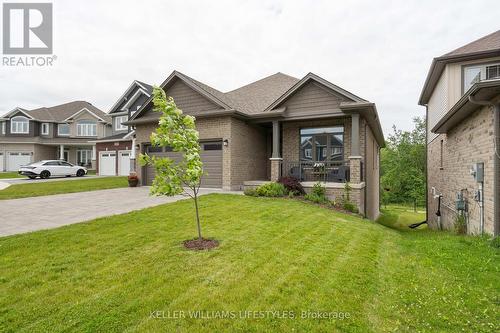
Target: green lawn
{"points": [[64, 186], [115, 273], [13, 174]]}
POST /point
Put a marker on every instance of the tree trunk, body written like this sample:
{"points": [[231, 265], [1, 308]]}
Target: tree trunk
{"points": [[415, 206], [197, 214]]}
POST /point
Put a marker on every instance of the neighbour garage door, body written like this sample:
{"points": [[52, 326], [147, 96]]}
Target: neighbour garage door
{"points": [[16, 159], [211, 156], [107, 164], [1, 161], [124, 163]]}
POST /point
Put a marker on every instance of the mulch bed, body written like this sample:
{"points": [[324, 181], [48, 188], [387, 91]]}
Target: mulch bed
{"points": [[203, 244]]}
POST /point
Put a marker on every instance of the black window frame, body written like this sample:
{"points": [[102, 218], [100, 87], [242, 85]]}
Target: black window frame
{"points": [[329, 147]]}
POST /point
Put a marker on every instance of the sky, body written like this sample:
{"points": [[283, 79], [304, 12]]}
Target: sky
{"points": [[378, 50]]}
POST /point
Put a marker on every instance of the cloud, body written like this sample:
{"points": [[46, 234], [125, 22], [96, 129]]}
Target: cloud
{"points": [[379, 50]]}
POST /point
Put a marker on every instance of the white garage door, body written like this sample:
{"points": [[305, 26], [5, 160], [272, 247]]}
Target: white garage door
{"points": [[107, 164], [16, 159], [1, 161], [124, 163]]}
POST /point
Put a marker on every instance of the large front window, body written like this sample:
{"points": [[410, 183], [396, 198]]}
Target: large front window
{"points": [[322, 144], [86, 128], [19, 125]]}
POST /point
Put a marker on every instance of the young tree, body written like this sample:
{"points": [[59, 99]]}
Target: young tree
{"points": [[178, 131]]}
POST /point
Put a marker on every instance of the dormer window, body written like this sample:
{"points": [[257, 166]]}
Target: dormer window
{"points": [[477, 73], [86, 128], [19, 125]]}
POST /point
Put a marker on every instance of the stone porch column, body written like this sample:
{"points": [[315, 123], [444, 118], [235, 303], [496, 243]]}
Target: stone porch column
{"points": [[355, 158], [276, 156]]}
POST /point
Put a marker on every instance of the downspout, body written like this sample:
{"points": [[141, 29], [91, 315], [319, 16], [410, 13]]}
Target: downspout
{"points": [[365, 179], [496, 162], [426, 169]]}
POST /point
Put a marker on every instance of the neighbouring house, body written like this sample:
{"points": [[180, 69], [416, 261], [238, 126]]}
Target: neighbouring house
{"points": [[462, 96], [59, 132], [278, 126], [116, 152]]}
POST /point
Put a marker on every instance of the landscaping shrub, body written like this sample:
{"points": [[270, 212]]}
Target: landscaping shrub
{"points": [[346, 200], [460, 224], [316, 198], [319, 190], [292, 184], [250, 192], [350, 207], [318, 194], [271, 190]]}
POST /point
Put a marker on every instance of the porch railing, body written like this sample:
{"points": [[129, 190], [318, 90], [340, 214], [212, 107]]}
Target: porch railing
{"points": [[324, 171]]}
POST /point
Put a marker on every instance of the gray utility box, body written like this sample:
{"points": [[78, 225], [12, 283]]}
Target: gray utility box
{"points": [[478, 172]]}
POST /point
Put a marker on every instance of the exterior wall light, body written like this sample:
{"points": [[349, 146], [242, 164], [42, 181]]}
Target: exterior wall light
{"points": [[226, 142]]}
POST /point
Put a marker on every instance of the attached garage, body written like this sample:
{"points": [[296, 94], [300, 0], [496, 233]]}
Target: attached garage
{"points": [[107, 163], [211, 156], [124, 163], [16, 159]]}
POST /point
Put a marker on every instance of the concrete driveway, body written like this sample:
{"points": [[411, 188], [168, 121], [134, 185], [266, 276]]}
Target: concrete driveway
{"points": [[52, 211], [26, 180]]}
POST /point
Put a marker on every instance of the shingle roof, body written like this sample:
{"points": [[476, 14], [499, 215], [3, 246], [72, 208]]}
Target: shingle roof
{"points": [[212, 91], [489, 42], [484, 47], [61, 112], [257, 96]]}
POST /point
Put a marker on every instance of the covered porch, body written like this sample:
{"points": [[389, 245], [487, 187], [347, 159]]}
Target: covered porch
{"points": [[327, 150], [82, 154]]}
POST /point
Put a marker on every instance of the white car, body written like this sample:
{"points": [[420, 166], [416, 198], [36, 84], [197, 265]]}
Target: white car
{"points": [[49, 168]]}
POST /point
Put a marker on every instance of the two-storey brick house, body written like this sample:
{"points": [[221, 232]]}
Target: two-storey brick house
{"points": [[462, 96]]}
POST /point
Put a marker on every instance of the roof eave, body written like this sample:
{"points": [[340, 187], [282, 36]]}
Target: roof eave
{"points": [[438, 64]]}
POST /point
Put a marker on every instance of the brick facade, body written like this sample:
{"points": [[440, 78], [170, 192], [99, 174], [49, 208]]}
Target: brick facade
{"points": [[111, 146], [290, 152], [469, 142], [244, 157]]}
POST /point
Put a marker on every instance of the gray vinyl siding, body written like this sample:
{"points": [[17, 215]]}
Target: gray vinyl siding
{"points": [[311, 99], [51, 130], [33, 129], [139, 101], [189, 100]]}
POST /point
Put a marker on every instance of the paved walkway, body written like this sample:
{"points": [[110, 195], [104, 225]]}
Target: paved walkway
{"points": [[52, 211]]}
